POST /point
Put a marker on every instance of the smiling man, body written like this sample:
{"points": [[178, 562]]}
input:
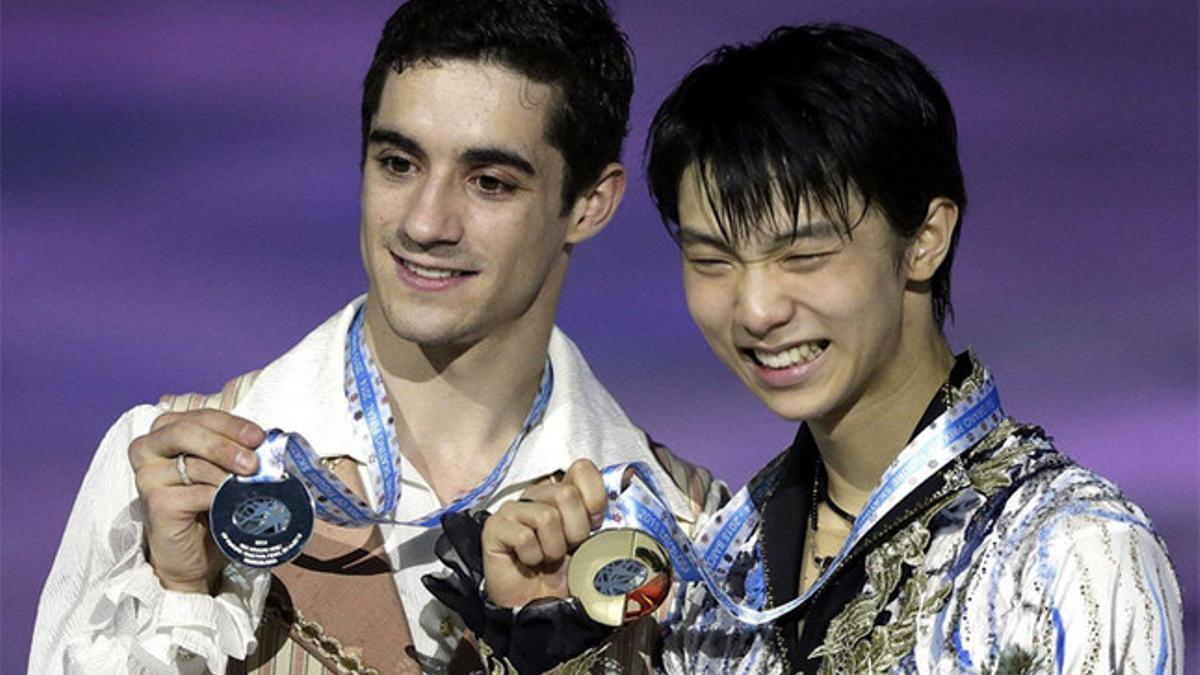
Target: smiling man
{"points": [[812, 183], [492, 133]]}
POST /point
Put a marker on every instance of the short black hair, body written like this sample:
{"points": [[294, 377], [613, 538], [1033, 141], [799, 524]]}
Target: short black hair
{"points": [[809, 117], [572, 44]]}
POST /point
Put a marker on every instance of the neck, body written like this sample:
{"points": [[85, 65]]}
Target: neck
{"points": [[458, 407], [858, 444]]}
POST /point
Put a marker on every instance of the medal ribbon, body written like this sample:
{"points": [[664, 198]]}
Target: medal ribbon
{"points": [[640, 505], [288, 453]]}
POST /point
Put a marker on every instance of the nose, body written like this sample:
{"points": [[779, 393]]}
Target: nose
{"points": [[432, 218], [762, 303]]}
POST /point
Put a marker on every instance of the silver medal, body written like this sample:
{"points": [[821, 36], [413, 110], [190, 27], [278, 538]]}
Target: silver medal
{"points": [[261, 524]]}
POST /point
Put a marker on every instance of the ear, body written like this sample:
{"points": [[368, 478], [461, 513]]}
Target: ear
{"points": [[931, 244], [596, 206]]}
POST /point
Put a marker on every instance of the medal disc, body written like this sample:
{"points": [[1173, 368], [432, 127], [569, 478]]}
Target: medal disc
{"points": [[619, 575], [261, 524]]}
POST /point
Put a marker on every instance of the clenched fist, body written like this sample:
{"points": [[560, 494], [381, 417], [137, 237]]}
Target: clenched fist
{"points": [[527, 542]]}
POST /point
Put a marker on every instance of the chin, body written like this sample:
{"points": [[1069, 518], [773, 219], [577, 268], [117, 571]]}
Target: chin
{"points": [[424, 330], [793, 410], [795, 404], [430, 338]]}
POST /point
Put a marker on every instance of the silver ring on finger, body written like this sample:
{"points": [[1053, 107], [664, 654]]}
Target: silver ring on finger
{"points": [[181, 468]]}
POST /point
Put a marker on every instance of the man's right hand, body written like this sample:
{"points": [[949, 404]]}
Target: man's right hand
{"points": [[527, 542], [214, 444]]}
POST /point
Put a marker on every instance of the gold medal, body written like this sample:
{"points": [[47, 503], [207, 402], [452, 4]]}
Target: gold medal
{"points": [[619, 575]]}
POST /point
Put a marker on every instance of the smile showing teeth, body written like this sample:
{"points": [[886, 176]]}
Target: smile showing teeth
{"points": [[429, 272], [787, 358]]}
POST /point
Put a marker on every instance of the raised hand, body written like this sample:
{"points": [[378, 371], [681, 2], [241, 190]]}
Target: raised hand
{"points": [[527, 542], [178, 467]]}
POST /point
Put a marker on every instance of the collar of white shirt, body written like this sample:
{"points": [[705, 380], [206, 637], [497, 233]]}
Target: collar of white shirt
{"points": [[303, 391]]}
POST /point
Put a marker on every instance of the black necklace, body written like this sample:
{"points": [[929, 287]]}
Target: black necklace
{"points": [[841, 513], [820, 493]]}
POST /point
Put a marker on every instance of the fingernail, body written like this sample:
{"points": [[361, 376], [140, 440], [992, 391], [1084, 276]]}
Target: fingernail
{"points": [[245, 461], [251, 435]]}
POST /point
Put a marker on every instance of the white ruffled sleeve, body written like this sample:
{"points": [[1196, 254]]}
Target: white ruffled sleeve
{"points": [[103, 609]]}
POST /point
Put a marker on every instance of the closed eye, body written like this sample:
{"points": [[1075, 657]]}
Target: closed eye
{"points": [[804, 261], [709, 265]]}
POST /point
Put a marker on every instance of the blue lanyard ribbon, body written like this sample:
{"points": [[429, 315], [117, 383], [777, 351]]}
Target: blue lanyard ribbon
{"points": [[640, 504], [335, 502]]}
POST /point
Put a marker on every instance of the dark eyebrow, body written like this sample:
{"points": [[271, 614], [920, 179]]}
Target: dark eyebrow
{"points": [[396, 139], [484, 156], [473, 156], [686, 236], [809, 230], [812, 229]]}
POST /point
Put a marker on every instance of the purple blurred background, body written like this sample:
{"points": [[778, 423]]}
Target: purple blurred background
{"points": [[180, 205]]}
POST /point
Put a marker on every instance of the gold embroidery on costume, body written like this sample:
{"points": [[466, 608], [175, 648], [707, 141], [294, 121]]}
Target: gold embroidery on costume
{"points": [[495, 664], [580, 665], [592, 661], [969, 385], [988, 474], [854, 644]]}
